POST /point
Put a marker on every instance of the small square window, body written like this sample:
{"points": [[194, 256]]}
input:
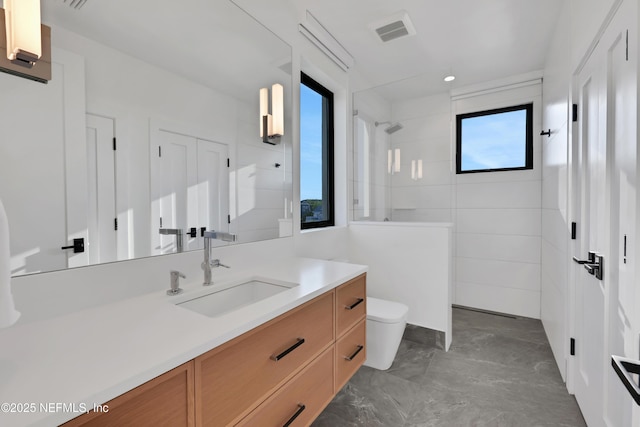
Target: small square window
{"points": [[495, 140]]}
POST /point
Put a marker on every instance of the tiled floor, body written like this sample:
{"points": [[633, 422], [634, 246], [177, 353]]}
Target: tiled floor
{"points": [[498, 372]]}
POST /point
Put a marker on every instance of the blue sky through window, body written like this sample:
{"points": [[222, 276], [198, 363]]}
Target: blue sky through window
{"points": [[494, 141], [310, 144]]}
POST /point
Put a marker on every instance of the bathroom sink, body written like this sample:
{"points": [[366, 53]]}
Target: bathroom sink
{"points": [[235, 296]]}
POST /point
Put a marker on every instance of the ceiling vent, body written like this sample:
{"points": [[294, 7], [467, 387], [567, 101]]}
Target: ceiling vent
{"points": [[393, 27], [75, 4]]}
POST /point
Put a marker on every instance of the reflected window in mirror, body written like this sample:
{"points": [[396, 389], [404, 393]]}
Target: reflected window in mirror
{"points": [[316, 154]]}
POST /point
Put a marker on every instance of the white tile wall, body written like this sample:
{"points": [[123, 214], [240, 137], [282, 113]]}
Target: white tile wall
{"points": [[518, 302], [497, 219], [503, 247], [523, 222], [497, 216]]}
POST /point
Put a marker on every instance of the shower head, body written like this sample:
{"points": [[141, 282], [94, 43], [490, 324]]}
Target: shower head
{"points": [[393, 127]]}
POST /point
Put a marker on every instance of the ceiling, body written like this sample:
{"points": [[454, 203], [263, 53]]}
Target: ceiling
{"points": [[478, 41], [212, 41]]}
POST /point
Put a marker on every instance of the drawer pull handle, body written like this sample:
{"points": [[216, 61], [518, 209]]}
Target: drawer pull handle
{"points": [[354, 305], [353, 356], [301, 408], [289, 350]]}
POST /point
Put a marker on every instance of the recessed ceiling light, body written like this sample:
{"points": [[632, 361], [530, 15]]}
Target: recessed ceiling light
{"points": [[449, 78]]}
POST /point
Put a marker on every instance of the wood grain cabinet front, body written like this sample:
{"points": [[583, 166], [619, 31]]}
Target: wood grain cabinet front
{"points": [[351, 304], [351, 353], [301, 400], [232, 379], [166, 400]]}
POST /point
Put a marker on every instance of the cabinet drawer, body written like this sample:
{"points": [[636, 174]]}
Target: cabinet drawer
{"points": [[351, 301], [234, 378], [350, 353], [301, 400]]}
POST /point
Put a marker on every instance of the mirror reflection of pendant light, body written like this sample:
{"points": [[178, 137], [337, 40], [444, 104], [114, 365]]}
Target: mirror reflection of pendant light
{"points": [[272, 124], [24, 39], [393, 161]]}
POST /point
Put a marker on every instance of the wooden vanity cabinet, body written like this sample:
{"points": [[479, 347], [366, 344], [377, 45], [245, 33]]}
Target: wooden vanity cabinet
{"points": [[165, 400], [233, 378], [284, 372]]}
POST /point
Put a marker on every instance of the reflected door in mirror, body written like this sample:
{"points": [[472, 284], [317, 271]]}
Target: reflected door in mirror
{"points": [[193, 189], [42, 166], [102, 190]]}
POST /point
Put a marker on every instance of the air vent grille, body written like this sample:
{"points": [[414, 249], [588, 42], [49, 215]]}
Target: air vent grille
{"points": [[393, 27], [75, 4], [392, 31]]}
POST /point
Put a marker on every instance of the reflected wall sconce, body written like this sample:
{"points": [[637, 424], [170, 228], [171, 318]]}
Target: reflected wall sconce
{"points": [[24, 39], [393, 161], [416, 169], [272, 124], [25, 44]]}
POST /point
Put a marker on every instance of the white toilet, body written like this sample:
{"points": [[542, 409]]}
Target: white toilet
{"points": [[385, 325]]}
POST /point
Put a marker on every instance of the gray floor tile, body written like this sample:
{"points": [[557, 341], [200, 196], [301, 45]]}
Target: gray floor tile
{"points": [[499, 372]]}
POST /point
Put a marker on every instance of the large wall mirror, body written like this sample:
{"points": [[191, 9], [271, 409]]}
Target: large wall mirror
{"points": [[149, 125]]}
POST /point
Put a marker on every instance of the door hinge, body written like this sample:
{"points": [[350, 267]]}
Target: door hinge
{"points": [[574, 230], [574, 113], [115, 224], [114, 143], [572, 346], [159, 151]]}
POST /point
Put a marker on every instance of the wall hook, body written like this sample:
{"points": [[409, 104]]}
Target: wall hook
{"points": [[547, 133]]}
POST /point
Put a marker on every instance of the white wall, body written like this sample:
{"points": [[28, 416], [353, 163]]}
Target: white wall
{"points": [[409, 263], [46, 295], [587, 17], [497, 219], [556, 226]]}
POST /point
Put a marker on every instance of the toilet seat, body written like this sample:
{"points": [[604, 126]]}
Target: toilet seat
{"points": [[385, 311]]}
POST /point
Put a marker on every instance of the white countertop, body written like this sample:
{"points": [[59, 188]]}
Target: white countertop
{"points": [[91, 356]]}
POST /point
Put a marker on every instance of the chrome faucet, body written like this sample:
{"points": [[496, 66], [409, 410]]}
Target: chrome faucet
{"points": [[208, 262], [175, 283], [178, 232]]}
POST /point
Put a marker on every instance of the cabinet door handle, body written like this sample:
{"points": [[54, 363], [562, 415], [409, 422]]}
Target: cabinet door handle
{"points": [[354, 305], [353, 356], [301, 408], [289, 350]]}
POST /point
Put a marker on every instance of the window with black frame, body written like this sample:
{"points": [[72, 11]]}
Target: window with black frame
{"points": [[495, 140], [316, 154]]}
